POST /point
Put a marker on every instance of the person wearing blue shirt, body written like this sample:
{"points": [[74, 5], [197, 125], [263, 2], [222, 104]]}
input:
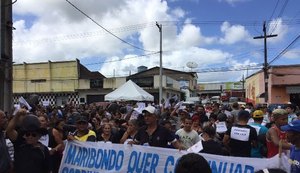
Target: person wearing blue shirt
{"points": [[261, 130], [293, 136]]}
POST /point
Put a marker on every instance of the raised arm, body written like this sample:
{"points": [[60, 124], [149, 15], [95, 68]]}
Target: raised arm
{"points": [[11, 132]]}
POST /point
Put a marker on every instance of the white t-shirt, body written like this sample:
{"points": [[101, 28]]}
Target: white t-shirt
{"points": [[187, 139]]}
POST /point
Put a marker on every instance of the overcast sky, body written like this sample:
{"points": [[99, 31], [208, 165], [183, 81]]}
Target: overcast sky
{"points": [[113, 35]]}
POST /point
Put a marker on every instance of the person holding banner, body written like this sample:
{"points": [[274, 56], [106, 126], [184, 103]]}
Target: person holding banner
{"points": [[293, 136], [107, 135], [210, 145], [154, 134], [187, 136], [240, 137], [82, 133], [131, 131]]}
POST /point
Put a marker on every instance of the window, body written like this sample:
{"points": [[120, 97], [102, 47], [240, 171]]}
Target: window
{"points": [[38, 80], [144, 82], [96, 83]]}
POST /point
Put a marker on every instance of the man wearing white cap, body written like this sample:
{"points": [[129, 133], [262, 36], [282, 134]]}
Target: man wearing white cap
{"points": [[153, 134]]}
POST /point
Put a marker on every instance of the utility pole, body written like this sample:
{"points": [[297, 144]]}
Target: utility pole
{"points": [[266, 66], [160, 63], [6, 56], [243, 87]]}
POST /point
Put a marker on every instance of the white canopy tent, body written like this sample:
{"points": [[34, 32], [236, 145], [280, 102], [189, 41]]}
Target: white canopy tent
{"points": [[129, 91]]}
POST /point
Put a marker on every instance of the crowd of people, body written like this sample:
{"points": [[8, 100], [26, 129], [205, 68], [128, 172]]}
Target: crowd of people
{"points": [[34, 140]]}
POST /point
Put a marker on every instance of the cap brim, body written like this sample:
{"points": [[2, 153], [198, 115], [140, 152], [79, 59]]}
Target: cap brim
{"points": [[258, 117], [81, 121], [286, 128], [41, 131]]}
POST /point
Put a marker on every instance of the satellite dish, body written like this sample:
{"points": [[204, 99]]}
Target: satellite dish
{"points": [[191, 65]]}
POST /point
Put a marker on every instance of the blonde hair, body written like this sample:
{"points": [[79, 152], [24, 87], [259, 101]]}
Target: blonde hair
{"points": [[279, 112]]}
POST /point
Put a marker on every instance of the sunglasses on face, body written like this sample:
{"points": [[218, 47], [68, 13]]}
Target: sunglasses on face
{"points": [[33, 134]]}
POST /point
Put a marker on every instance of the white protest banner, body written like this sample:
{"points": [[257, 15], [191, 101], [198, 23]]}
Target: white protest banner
{"points": [[86, 157], [178, 105], [221, 127], [23, 102], [140, 108], [196, 148], [17, 107], [46, 103]]}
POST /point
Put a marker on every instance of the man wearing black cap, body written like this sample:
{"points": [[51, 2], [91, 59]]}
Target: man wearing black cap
{"points": [[30, 155], [82, 132], [240, 137], [153, 134]]}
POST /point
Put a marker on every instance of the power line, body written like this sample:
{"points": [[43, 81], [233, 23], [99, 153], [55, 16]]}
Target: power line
{"points": [[279, 15], [95, 63], [138, 56], [81, 35], [274, 10], [285, 49], [218, 22], [124, 41], [58, 38], [226, 69]]}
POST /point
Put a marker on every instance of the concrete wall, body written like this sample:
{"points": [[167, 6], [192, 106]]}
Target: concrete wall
{"points": [[279, 79], [113, 82], [254, 86], [46, 77]]}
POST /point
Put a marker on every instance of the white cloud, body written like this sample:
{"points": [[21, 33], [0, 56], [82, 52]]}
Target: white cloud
{"points": [[60, 32], [293, 54], [233, 34], [233, 2], [178, 12], [276, 27]]}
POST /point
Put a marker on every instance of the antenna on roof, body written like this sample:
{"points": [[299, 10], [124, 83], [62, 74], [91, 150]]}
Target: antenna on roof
{"points": [[191, 65]]}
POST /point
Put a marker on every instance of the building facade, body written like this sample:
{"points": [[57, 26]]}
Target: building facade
{"points": [[56, 83], [59, 83], [223, 89], [174, 83], [283, 85]]}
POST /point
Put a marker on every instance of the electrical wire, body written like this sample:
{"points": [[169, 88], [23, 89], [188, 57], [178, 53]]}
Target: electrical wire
{"points": [[285, 50], [126, 29], [80, 35], [122, 59], [274, 10], [90, 64], [124, 41], [279, 15], [226, 70]]}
